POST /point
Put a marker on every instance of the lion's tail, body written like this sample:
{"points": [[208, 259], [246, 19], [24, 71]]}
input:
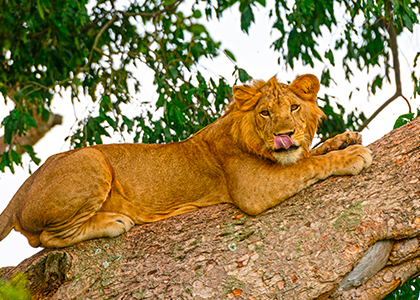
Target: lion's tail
{"points": [[7, 219]]}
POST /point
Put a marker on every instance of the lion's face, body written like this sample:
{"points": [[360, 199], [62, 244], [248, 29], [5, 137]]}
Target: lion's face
{"points": [[279, 116], [278, 121]]}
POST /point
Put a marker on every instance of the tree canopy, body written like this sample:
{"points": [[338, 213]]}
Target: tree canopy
{"points": [[92, 49]]}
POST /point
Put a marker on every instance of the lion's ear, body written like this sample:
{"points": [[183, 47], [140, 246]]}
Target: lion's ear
{"points": [[245, 96], [306, 87]]}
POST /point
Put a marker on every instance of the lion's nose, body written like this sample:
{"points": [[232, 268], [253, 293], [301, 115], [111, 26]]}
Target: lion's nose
{"points": [[289, 133]]}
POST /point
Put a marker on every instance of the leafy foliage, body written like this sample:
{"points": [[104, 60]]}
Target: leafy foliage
{"points": [[335, 122], [415, 79], [406, 118], [301, 25], [16, 289], [92, 49], [47, 46], [410, 290], [364, 34]]}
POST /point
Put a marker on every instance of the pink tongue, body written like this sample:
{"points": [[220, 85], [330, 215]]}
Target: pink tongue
{"points": [[282, 141]]}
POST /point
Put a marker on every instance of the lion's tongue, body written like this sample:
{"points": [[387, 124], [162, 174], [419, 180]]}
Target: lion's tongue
{"points": [[282, 141]]}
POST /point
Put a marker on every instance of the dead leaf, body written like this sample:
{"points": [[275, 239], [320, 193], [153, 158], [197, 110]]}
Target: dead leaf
{"points": [[238, 217], [237, 292]]}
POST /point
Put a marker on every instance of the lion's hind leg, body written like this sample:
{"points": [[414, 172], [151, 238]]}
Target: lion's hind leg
{"points": [[101, 224], [68, 195]]}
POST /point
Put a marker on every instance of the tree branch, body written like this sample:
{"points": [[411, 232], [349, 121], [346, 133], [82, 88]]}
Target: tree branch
{"points": [[152, 14], [351, 237], [396, 64], [33, 135]]}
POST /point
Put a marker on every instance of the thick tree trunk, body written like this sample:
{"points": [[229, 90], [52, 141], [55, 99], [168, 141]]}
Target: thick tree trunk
{"points": [[343, 238]]}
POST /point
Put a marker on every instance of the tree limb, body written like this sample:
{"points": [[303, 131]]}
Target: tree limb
{"points": [[353, 237], [396, 63], [33, 135]]}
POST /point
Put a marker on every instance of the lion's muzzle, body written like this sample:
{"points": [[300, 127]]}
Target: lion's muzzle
{"points": [[284, 142]]}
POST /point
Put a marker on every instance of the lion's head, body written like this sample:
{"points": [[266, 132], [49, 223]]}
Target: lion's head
{"points": [[275, 120]]}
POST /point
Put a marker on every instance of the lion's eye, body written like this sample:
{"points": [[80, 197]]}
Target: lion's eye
{"points": [[265, 113], [294, 107]]}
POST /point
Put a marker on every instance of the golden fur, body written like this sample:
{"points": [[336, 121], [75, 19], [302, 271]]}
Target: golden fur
{"points": [[255, 156], [257, 136]]}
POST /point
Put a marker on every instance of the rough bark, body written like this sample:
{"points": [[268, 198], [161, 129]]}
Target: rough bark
{"points": [[344, 238], [33, 135]]}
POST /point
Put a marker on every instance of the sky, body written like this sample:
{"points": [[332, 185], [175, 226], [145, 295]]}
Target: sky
{"points": [[253, 53]]}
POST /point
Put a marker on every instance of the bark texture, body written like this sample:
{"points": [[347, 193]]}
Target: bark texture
{"points": [[344, 238]]}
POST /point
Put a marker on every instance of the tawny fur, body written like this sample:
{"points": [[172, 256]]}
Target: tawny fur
{"points": [[102, 191]]}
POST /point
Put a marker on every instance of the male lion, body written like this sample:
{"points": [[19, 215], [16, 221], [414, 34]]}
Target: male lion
{"points": [[255, 156]]}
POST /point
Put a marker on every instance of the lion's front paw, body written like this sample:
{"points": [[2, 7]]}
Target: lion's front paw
{"points": [[353, 160], [346, 139], [339, 142]]}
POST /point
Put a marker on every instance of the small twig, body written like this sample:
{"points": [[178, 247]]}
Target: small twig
{"points": [[151, 14], [373, 116], [408, 103], [95, 43]]}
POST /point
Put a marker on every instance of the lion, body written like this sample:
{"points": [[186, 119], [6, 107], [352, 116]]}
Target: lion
{"points": [[255, 156]]}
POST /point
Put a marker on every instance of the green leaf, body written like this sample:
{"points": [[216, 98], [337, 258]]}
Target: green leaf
{"points": [[247, 18], [98, 139], [168, 2], [229, 55], [243, 75], [408, 22], [196, 14], [31, 153], [129, 123], [106, 99], [197, 29], [377, 82], [173, 71], [16, 158], [45, 115], [326, 78], [416, 58], [330, 56], [5, 162], [403, 119], [262, 2], [29, 121], [40, 9], [15, 288], [416, 85]]}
